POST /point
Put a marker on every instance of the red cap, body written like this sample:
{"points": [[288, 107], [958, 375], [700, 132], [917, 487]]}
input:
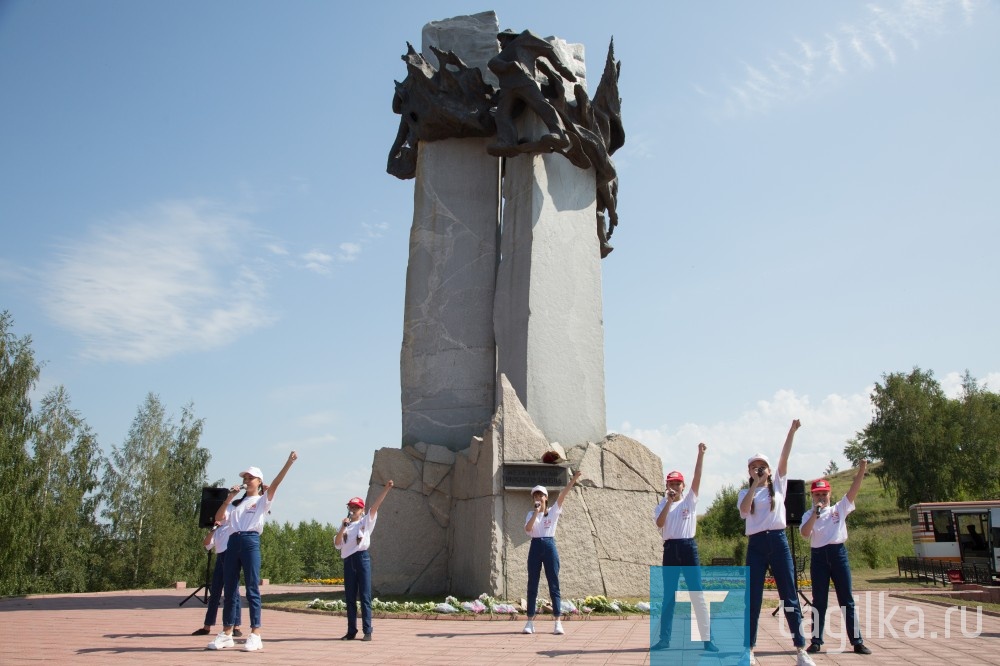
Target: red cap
{"points": [[820, 486], [356, 501], [675, 476]]}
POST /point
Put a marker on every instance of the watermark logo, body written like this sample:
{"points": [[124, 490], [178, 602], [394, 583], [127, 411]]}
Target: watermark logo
{"points": [[697, 613], [878, 616]]}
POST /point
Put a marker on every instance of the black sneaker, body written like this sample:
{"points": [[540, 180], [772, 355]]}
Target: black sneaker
{"points": [[861, 648], [348, 636], [663, 644], [813, 648], [367, 637], [711, 647], [237, 633], [201, 632]]}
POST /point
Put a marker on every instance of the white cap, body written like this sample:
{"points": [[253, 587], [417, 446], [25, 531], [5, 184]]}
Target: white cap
{"points": [[253, 471], [759, 456], [540, 489]]}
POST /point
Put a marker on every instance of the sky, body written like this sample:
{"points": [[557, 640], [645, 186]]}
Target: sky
{"points": [[193, 203]]}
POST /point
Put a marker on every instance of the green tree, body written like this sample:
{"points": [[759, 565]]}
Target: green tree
{"points": [[66, 463], [320, 559], [280, 561], [855, 451], [832, 468], [176, 545], [18, 375], [916, 436], [978, 413], [151, 492], [723, 517]]}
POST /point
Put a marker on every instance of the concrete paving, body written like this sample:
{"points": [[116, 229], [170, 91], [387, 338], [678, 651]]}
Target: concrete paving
{"points": [[150, 626]]}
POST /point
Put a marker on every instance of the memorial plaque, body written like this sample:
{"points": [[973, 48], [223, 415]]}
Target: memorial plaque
{"points": [[525, 476]]}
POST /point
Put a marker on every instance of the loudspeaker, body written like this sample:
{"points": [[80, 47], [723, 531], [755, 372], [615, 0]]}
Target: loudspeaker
{"points": [[795, 501], [211, 500]]}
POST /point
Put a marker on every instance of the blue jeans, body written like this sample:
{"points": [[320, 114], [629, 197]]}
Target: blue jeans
{"points": [[358, 582], [771, 548], [830, 562], [242, 553], [543, 553], [215, 592], [678, 553]]}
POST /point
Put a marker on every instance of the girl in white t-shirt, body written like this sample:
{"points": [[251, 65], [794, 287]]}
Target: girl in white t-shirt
{"points": [[676, 518], [245, 523], [762, 506], [540, 525], [352, 540], [218, 540], [826, 529]]}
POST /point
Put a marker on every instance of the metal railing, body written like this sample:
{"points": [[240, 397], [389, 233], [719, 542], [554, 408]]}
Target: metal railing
{"points": [[944, 571]]}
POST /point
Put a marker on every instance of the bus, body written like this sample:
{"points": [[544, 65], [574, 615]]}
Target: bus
{"points": [[958, 532]]}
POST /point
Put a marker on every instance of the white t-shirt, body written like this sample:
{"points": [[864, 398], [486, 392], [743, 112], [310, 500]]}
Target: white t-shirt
{"points": [[762, 518], [250, 514], [220, 536], [682, 520], [359, 528], [545, 526], [831, 524]]}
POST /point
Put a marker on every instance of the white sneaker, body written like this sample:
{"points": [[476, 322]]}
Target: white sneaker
{"points": [[222, 640], [529, 628], [804, 659], [558, 628], [748, 659], [253, 643]]}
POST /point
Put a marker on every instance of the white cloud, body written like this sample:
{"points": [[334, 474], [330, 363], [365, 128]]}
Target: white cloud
{"points": [[317, 262], [826, 427], [951, 383], [169, 279], [866, 42], [349, 251], [316, 419], [375, 229]]}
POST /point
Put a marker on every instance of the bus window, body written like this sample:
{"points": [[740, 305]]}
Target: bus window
{"points": [[944, 529]]}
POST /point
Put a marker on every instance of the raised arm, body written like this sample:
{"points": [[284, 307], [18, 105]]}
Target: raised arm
{"points": [[696, 480], [378, 500], [273, 488], [569, 486], [858, 478], [787, 448]]}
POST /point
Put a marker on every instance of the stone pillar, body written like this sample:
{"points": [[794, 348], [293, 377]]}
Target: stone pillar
{"points": [[448, 358], [548, 314]]}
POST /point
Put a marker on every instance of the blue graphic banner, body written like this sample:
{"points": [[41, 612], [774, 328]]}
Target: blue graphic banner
{"points": [[697, 615]]}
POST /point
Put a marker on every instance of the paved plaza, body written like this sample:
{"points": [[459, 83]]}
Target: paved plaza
{"points": [[149, 626]]}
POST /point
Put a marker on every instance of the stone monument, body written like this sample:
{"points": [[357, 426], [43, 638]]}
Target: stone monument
{"points": [[503, 339]]}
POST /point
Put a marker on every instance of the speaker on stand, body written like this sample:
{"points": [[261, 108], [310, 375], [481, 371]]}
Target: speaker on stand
{"points": [[795, 506], [211, 500]]}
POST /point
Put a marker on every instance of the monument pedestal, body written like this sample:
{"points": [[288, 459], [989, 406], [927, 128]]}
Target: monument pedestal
{"points": [[457, 529]]}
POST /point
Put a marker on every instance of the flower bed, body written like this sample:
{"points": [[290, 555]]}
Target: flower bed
{"points": [[486, 605]]}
